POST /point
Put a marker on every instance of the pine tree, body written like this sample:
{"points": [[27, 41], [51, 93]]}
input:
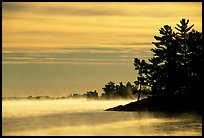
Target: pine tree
{"points": [[143, 70], [182, 37], [164, 62], [177, 63]]}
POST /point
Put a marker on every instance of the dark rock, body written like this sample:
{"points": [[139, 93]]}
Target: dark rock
{"points": [[162, 103]]}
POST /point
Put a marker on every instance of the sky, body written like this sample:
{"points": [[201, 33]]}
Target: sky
{"points": [[61, 48]]}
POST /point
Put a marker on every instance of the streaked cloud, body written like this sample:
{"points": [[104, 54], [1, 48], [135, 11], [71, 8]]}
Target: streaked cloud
{"points": [[82, 55], [105, 9], [48, 24]]}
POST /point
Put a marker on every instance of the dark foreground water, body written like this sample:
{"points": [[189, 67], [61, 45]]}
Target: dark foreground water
{"points": [[82, 117]]}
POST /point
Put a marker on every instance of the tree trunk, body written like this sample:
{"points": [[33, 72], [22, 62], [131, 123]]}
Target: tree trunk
{"points": [[138, 98]]}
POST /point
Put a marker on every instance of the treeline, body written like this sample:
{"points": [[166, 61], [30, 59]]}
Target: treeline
{"points": [[110, 91], [176, 67], [115, 91], [88, 95]]}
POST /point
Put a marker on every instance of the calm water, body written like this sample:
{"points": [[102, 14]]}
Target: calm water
{"points": [[82, 117]]}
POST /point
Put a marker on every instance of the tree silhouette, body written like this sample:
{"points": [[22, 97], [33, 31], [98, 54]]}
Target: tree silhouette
{"points": [[112, 90], [92, 95], [177, 62], [164, 61], [191, 62], [143, 78], [122, 90], [194, 64], [129, 90], [109, 90]]}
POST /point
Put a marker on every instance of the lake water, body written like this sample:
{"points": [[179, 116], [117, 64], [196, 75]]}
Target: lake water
{"points": [[81, 117]]}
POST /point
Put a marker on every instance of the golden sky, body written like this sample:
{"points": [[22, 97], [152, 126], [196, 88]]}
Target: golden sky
{"points": [[85, 35]]}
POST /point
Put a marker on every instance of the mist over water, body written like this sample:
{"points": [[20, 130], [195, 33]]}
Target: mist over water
{"points": [[82, 117]]}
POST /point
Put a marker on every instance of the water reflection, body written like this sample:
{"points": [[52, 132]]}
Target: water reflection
{"points": [[81, 118]]}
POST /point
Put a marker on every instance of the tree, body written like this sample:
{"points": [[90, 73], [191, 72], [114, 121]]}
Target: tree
{"points": [[191, 61], [109, 90], [143, 70], [129, 90], [177, 62], [164, 61], [112, 90], [92, 95], [121, 90], [194, 64]]}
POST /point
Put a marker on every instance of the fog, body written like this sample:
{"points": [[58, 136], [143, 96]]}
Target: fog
{"points": [[81, 117], [28, 108]]}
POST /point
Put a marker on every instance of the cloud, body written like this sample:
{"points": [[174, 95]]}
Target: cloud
{"points": [[60, 9], [79, 11], [84, 55], [137, 43], [134, 9], [52, 30], [11, 6], [56, 24]]}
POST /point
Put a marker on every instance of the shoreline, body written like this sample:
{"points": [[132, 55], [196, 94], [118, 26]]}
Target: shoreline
{"points": [[163, 103]]}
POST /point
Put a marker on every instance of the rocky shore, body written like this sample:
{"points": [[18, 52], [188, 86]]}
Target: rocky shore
{"points": [[163, 103]]}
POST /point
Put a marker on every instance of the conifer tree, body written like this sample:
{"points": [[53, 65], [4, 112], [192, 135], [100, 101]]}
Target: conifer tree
{"points": [[177, 63]]}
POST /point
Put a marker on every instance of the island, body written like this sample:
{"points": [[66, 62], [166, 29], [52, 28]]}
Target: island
{"points": [[174, 75]]}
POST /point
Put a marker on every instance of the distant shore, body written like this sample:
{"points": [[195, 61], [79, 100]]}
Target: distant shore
{"points": [[62, 98], [163, 103]]}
